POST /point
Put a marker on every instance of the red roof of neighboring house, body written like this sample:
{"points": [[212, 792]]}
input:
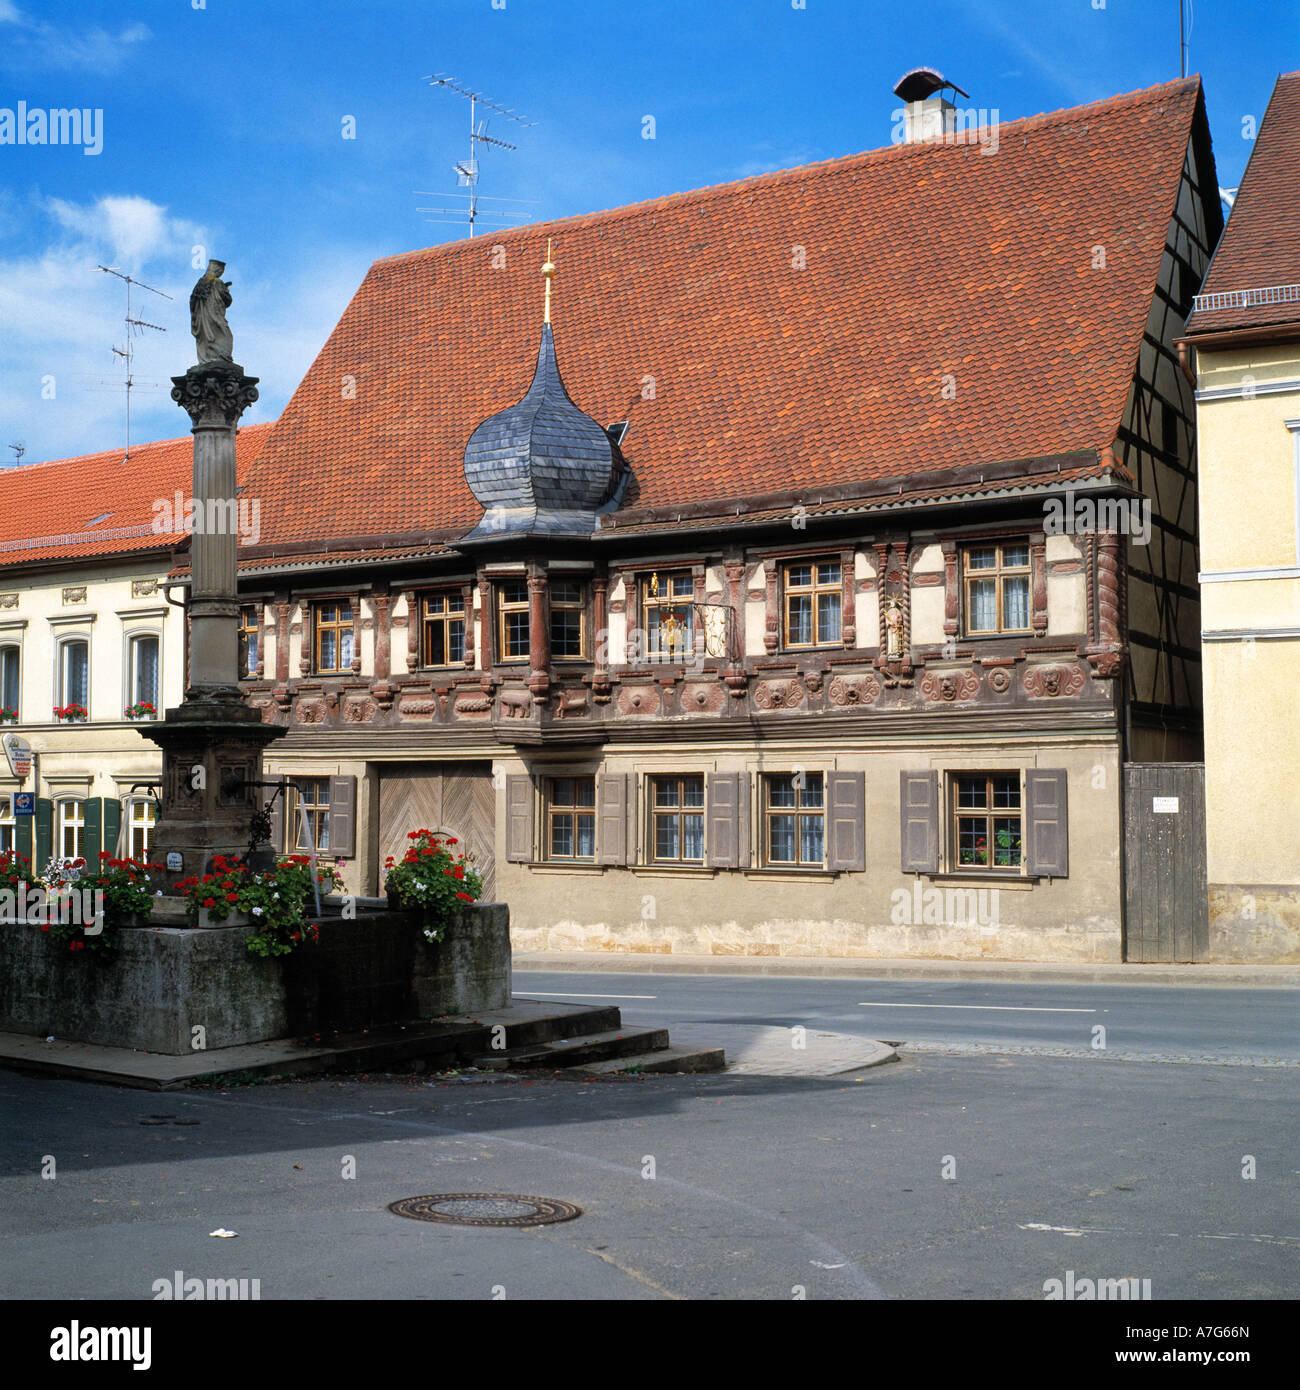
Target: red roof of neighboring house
{"points": [[793, 330], [47, 509], [1260, 247]]}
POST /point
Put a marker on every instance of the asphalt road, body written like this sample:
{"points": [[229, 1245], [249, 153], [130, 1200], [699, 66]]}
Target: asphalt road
{"points": [[1144, 1020], [943, 1177]]}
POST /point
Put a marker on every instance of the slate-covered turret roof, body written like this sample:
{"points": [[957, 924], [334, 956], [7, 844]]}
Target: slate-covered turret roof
{"points": [[542, 467]]}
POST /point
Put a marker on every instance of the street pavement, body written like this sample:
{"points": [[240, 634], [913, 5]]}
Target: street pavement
{"points": [[950, 1175]]}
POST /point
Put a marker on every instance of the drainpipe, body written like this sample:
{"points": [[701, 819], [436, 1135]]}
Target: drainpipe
{"points": [[1184, 365], [183, 605]]}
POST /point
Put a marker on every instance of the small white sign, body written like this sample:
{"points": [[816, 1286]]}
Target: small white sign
{"points": [[1164, 805], [174, 861], [19, 754]]}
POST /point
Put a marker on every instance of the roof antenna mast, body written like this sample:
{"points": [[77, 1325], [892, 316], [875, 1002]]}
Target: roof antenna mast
{"points": [[134, 327], [467, 170]]}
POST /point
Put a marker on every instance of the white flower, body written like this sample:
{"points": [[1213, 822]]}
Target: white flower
{"points": [[257, 912]]}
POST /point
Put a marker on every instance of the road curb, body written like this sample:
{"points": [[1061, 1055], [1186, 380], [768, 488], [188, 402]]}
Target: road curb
{"points": [[866, 968]]}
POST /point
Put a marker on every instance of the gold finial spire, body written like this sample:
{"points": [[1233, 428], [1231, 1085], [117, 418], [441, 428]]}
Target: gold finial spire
{"points": [[548, 271]]}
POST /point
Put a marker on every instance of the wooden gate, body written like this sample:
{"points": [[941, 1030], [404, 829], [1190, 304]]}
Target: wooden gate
{"points": [[452, 798], [1166, 902]]}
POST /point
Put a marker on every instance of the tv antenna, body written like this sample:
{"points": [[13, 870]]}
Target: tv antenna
{"points": [[467, 170], [19, 451], [134, 327]]}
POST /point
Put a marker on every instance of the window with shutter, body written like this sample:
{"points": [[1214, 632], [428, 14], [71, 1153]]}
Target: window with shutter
{"points": [[724, 793], [1047, 829], [519, 818], [614, 799], [343, 816], [846, 831], [919, 806]]}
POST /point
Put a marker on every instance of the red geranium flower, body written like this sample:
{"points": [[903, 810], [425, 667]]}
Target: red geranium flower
{"points": [[209, 902]]}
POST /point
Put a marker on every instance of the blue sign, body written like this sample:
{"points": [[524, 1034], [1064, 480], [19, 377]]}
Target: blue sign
{"points": [[24, 803]]}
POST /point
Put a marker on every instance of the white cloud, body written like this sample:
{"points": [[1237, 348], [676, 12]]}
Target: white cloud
{"points": [[136, 229], [37, 44]]}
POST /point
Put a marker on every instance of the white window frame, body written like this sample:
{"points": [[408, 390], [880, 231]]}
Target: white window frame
{"points": [[150, 825], [8, 823], [61, 808], [133, 637], [14, 644]]}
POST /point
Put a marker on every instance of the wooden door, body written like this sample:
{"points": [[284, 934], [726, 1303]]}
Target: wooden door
{"points": [[1166, 901], [449, 798]]}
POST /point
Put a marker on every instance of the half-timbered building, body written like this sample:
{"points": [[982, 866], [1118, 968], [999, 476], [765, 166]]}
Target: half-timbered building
{"points": [[795, 580]]}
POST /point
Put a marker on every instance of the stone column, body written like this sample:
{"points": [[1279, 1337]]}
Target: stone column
{"points": [[214, 396], [212, 742], [539, 636]]}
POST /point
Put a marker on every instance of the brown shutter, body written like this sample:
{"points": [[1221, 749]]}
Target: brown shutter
{"points": [[343, 816], [611, 800], [1046, 823], [722, 791], [919, 804], [846, 821], [519, 818], [277, 817]]}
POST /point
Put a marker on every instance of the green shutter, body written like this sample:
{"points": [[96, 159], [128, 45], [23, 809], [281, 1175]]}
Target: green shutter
{"points": [[94, 836], [44, 833], [23, 835], [112, 823]]}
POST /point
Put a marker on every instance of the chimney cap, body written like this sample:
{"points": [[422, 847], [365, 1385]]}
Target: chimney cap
{"points": [[920, 83]]}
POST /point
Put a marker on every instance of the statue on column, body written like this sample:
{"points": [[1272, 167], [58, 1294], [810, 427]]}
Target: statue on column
{"points": [[208, 303]]}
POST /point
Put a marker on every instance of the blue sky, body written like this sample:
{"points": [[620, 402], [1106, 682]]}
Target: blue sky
{"points": [[223, 130]]}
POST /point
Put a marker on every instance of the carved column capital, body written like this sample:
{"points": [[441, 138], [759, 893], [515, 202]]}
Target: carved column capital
{"points": [[215, 394]]}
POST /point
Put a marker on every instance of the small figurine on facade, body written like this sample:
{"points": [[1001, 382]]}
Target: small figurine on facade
{"points": [[208, 303], [893, 630]]}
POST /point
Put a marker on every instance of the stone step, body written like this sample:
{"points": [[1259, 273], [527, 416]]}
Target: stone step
{"points": [[576, 1051], [674, 1058]]}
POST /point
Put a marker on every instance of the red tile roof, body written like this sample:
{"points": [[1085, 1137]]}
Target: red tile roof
{"points": [[1260, 246], [919, 262], [46, 508]]}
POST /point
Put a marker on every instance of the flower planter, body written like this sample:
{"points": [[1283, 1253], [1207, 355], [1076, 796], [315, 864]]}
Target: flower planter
{"points": [[231, 919], [164, 982]]}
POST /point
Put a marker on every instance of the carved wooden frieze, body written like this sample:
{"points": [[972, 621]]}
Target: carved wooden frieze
{"points": [[417, 707], [950, 687], [699, 697], [516, 704], [359, 711], [569, 702], [310, 712], [846, 691], [999, 680], [1043, 681], [472, 706], [771, 695], [638, 700]]}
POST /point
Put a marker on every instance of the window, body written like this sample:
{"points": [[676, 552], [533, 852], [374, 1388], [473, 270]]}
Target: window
{"points": [[74, 672], [141, 819], [308, 819], [333, 638], [568, 618], [987, 825], [571, 818], [512, 616], [814, 597], [677, 819], [997, 588], [668, 603], [443, 617], [794, 816], [8, 825], [250, 633], [143, 667], [71, 830], [10, 678]]}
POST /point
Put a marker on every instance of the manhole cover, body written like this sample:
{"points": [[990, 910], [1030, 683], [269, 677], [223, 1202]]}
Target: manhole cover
{"points": [[485, 1209]]}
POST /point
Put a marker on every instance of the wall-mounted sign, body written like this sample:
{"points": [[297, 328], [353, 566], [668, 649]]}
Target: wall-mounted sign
{"points": [[25, 804], [19, 753], [1164, 805], [174, 861]]}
